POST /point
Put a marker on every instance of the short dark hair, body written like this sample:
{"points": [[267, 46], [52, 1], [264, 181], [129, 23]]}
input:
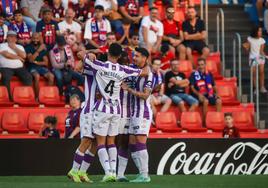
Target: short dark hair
{"points": [[110, 33], [134, 34], [144, 52], [201, 59], [17, 12], [228, 114], [174, 59], [115, 50], [50, 120], [154, 59], [123, 59], [254, 31], [45, 10], [99, 7], [153, 8], [169, 6], [75, 96]]}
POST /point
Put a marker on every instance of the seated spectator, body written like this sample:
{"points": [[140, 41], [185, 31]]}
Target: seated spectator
{"points": [[96, 29], [230, 131], [111, 12], [203, 87], [7, 8], [68, 25], [62, 60], [158, 96], [30, 10], [226, 2], [72, 123], [173, 34], [133, 43], [151, 32], [24, 31], [194, 35], [132, 11], [48, 28], [49, 128], [176, 84], [82, 12], [3, 28], [57, 10], [12, 58], [166, 56], [38, 62]]}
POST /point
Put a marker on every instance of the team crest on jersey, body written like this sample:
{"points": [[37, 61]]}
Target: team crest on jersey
{"points": [[113, 67]]}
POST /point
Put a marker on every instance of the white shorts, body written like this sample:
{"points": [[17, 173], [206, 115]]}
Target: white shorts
{"points": [[86, 125], [124, 125], [140, 126], [105, 124]]}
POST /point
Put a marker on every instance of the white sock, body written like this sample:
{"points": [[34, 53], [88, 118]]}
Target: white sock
{"points": [[122, 163], [78, 158], [135, 158], [88, 159], [112, 151], [104, 159], [144, 162]]}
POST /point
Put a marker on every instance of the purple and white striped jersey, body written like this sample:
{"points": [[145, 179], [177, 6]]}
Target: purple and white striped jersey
{"points": [[142, 108], [109, 77], [126, 99], [90, 89]]}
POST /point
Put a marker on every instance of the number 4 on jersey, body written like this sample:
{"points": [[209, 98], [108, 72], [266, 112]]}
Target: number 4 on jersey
{"points": [[110, 88]]}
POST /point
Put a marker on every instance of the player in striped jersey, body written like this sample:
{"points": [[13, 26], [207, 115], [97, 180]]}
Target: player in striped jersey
{"points": [[141, 117], [85, 153], [107, 110]]}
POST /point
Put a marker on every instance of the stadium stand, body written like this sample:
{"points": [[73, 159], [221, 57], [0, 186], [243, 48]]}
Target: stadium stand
{"points": [[24, 96], [4, 99], [166, 122]]}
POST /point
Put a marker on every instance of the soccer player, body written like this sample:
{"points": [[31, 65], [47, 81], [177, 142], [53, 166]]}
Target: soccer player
{"points": [[85, 153], [141, 117], [107, 110]]}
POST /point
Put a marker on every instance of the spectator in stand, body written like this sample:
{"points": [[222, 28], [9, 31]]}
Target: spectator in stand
{"points": [[49, 128], [69, 26], [57, 10], [133, 43], [203, 87], [3, 28], [151, 32], [72, 123], [158, 96], [12, 58], [176, 84], [82, 12], [62, 60], [255, 46], [133, 11], [111, 12], [24, 32], [38, 62], [48, 28], [173, 34], [30, 10], [226, 2], [97, 29], [166, 56], [230, 131], [194, 35], [260, 5], [7, 7]]}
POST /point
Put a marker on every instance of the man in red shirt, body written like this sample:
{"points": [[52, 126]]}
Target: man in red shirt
{"points": [[173, 34], [230, 131]]}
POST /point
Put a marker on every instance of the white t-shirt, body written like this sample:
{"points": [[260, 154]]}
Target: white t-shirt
{"points": [[154, 29], [101, 26], [74, 27], [66, 2], [105, 3], [10, 63], [5, 30], [255, 46]]}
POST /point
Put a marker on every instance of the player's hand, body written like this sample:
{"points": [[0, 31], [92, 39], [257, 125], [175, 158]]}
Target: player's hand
{"points": [[91, 56], [124, 86]]}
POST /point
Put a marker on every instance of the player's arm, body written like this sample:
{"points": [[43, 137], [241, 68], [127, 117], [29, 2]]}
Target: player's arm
{"points": [[143, 95]]}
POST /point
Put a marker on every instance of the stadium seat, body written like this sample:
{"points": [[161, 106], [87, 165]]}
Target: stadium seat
{"points": [[253, 135], [61, 117], [167, 122], [179, 15], [49, 96], [227, 94], [185, 67], [36, 121], [4, 98], [215, 121], [244, 121], [24, 96], [14, 122], [211, 66], [191, 121], [153, 129]]}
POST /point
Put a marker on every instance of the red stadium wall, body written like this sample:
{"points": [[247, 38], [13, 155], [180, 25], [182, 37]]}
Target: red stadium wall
{"points": [[174, 156]]}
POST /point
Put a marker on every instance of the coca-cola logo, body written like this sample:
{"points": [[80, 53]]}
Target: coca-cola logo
{"points": [[229, 162]]}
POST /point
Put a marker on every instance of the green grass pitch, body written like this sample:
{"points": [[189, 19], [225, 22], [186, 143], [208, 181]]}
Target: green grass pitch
{"points": [[177, 181]]}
